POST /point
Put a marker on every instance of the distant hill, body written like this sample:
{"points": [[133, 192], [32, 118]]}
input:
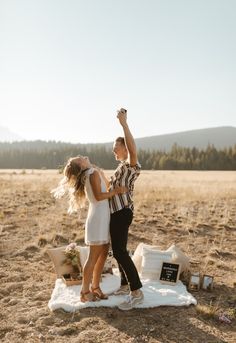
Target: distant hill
{"points": [[8, 136], [195, 150], [220, 137]]}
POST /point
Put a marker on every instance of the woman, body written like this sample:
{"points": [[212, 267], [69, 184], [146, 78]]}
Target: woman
{"points": [[83, 180]]}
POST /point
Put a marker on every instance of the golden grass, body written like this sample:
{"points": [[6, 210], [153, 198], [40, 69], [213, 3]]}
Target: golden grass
{"points": [[207, 311], [195, 210]]}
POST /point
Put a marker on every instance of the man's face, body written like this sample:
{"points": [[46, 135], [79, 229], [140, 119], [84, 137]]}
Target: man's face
{"points": [[119, 151]]}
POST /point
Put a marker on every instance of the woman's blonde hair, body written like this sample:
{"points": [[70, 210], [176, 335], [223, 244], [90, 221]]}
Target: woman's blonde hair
{"points": [[72, 184]]}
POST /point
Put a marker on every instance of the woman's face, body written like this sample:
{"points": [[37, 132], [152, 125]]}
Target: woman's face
{"points": [[82, 161]]}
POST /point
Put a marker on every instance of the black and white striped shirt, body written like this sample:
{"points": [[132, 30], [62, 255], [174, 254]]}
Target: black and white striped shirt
{"points": [[125, 175]]}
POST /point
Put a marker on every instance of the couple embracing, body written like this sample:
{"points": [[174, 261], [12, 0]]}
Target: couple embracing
{"points": [[109, 216]]}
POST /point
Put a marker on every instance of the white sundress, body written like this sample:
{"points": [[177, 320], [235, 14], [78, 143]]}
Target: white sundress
{"points": [[98, 217]]}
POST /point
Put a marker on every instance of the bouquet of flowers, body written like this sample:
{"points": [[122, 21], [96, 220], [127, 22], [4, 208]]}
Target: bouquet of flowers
{"points": [[73, 258]]}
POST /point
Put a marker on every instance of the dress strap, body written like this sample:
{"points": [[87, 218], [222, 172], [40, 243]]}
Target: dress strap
{"points": [[90, 171]]}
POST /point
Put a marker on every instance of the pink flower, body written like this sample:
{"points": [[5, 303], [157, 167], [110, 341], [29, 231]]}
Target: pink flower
{"points": [[72, 246], [224, 319]]}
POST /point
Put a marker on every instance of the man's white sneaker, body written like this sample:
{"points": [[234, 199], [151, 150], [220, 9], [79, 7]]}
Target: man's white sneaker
{"points": [[123, 290], [131, 301]]}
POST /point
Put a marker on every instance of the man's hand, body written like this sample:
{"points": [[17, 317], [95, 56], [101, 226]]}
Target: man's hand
{"points": [[122, 116], [129, 140]]}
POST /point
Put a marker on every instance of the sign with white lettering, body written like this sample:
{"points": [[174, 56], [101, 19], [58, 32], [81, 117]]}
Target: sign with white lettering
{"points": [[169, 273]]}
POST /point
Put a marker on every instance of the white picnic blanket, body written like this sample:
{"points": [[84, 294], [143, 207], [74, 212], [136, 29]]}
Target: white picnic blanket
{"points": [[155, 294]]}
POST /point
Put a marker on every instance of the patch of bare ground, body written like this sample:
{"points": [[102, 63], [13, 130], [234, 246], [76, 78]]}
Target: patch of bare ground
{"points": [[195, 210]]}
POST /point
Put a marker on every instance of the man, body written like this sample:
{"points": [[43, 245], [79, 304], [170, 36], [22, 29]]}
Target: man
{"points": [[121, 207]]}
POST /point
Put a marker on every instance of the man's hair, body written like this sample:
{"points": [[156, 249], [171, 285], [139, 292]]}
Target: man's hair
{"points": [[120, 140]]}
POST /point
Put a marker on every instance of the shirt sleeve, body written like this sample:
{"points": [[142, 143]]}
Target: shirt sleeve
{"points": [[137, 166]]}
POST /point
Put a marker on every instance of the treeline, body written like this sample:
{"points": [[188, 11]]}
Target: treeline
{"points": [[181, 158], [53, 155]]}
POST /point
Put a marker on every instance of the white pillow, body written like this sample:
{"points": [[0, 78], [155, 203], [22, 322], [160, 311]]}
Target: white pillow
{"points": [[138, 255], [179, 257], [152, 263]]}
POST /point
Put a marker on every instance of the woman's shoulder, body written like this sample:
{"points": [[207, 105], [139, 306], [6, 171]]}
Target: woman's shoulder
{"points": [[93, 172]]}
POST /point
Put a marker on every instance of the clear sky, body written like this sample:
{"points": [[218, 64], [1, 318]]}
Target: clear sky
{"points": [[66, 66]]}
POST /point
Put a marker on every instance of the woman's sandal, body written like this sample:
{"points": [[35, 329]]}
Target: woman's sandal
{"points": [[87, 296], [97, 292]]}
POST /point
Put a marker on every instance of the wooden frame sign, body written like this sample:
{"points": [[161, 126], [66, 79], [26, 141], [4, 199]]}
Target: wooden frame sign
{"points": [[169, 273], [207, 282]]}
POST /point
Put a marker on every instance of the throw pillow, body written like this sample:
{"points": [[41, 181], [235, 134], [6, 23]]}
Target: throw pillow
{"points": [[179, 257], [152, 263], [138, 254], [58, 257]]}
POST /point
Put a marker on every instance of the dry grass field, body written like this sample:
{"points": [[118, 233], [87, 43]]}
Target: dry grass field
{"points": [[195, 210]]}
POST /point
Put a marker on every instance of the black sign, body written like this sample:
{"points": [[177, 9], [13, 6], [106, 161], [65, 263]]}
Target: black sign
{"points": [[169, 272]]}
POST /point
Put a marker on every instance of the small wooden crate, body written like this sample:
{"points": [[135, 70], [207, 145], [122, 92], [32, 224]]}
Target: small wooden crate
{"points": [[71, 281]]}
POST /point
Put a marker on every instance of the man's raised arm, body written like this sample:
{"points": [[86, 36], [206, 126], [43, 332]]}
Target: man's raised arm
{"points": [[129, 140]]}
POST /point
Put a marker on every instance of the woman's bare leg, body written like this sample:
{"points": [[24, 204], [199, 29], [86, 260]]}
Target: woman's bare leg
{"points": [[98, 268], [94, 253]]}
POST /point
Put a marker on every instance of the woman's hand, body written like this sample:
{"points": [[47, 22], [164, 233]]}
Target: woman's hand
{"points": [[95, 181]]}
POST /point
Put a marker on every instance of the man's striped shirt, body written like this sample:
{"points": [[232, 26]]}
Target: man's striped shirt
{"points": [[125, 175]]}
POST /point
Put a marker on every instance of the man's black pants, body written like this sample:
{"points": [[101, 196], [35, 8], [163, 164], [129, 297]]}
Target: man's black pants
{"points": [[119, 227]]}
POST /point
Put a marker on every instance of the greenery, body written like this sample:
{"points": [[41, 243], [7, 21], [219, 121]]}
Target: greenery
{"points": [[53, 155], [72, 254]]}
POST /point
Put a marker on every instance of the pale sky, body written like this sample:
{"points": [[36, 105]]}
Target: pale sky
{"points": [[66, 66]]}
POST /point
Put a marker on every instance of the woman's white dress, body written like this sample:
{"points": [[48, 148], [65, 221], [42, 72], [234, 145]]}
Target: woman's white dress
{"points": [[98, 218]]}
